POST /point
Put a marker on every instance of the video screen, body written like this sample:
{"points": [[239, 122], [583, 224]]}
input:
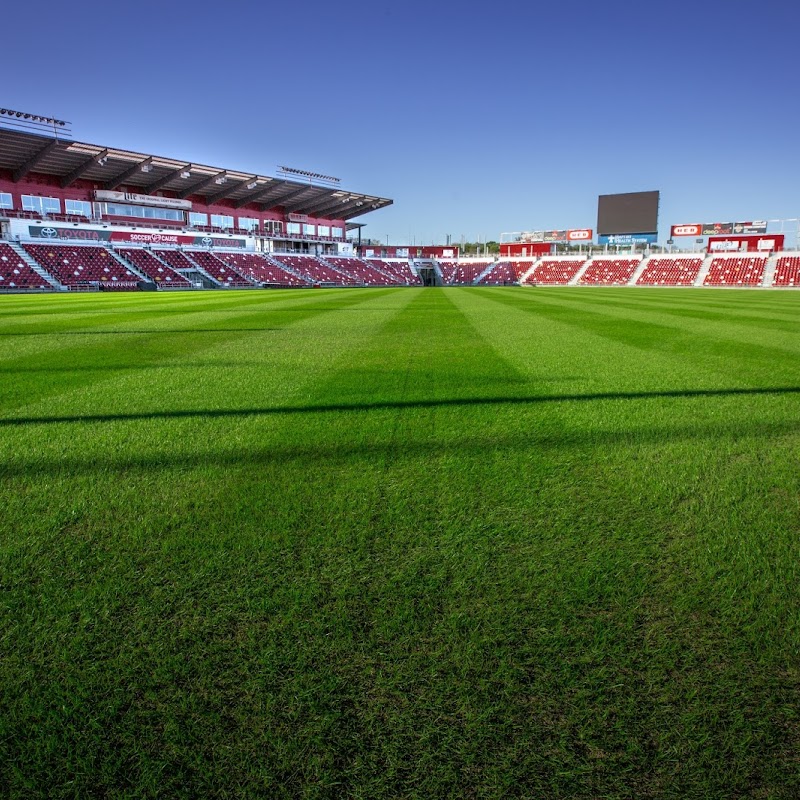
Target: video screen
{"points": [[633, 212]]}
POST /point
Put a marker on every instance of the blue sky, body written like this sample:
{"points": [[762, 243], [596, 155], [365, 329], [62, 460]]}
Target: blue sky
{"points": [[475, 118]]}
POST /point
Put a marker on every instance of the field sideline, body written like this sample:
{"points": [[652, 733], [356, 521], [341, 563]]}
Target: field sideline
{"points": [[400, 543]]}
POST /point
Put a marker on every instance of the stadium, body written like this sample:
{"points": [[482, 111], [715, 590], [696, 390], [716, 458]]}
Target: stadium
{"points": [[84, 217], [287, 512]]}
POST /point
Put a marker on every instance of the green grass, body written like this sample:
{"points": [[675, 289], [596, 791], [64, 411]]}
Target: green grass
{"points": [[467, 543]]}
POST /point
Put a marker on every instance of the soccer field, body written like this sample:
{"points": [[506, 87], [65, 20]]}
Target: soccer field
{"points": [[400, 543]]}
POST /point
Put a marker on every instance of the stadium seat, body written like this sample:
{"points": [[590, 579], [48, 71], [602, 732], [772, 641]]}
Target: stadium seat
{"points": [[555, 271], [671, 271], [400, 269], [83, 266], [260, 269], [609, 271], [150, 266], [16, 274], [736, 271], [314, 271], [222, 273], [362, 271], [501, 274], [787, 271]]}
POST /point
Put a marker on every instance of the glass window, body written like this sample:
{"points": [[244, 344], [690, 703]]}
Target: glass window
{"points": [[336, 233], [41, 205], [324, 230], [248, 224], [5, 200], [142, 212], [309, 230], [221, 221], [292, 227], [81, 208], [195, 218]]}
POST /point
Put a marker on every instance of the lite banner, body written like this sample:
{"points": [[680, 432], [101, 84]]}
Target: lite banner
{"points": [[687, 229], [54, 233], [757, 227], [716, 228], [579, 235], [142, 199]]}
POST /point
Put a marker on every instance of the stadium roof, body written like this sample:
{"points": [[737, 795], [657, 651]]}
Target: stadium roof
{"points": [[23, 152]]}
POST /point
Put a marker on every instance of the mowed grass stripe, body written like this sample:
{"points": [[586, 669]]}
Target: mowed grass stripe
{"points": [[592, 598], [677, 342], [60, 367]]}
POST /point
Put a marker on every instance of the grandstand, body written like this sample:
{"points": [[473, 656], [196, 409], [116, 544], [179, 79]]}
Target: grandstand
{"points": [[76, 216]]}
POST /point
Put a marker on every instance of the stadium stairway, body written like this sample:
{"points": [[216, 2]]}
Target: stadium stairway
{"points": [[579, 273], [769, 269], [285, 267], [206, 277], [638, 271], [35, 266], [525, 275], [120, 260], [338, 269], [705, 267], [479, 278]]}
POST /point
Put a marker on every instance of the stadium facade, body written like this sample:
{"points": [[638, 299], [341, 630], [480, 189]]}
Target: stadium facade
{"points": [[76, 216]]}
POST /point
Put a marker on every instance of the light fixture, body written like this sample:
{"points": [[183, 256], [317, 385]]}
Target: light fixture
{"points": [[147, 167], [220, 181], [185, 175], [252, 185]]}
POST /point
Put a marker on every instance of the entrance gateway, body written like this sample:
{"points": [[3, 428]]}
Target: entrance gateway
{"points": [[428, 273]]}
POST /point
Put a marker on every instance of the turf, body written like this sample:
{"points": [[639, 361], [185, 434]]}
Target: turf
{"points": [[467, 543]]}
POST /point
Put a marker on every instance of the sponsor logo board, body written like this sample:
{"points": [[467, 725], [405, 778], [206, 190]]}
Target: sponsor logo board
{"points": [[555, 236], [579, 235], [716, 228], [56, 233], [755, 227], [627, 238], [687, 229]]}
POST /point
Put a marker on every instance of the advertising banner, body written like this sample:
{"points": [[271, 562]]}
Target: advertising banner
{"points": [[554, 236], [757, 227], [55, 233], [716, 228], [627, 238], [141, 199], [687, 229], [580, 235], [724, 246]]}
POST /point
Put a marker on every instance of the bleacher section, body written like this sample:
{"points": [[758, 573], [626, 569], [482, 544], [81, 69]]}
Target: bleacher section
{"points": [[260, 270], [458, 273], [555, 271], [314, 270], [609, 271], [363, 272], [501, 274], [400, 269], [221, 272], [787, 271], [670, 272], [87, 266], [736, 271], [161, 274], [16, 274]]}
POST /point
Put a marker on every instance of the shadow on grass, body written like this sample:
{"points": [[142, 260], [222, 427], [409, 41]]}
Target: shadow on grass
{"points": [[465, 402], [331, 453]]}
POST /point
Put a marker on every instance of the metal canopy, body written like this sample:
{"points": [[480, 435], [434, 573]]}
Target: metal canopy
{"points": [[22, 152]]}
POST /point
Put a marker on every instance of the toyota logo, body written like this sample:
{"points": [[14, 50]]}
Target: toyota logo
{"points": [[207, 241], [49, 233]]}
